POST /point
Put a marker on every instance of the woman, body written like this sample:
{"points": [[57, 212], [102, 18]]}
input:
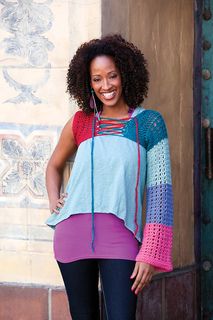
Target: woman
{"points": [[121, 147]]}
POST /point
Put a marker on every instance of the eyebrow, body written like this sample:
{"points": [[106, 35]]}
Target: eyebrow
{"points": [[93, 75]]}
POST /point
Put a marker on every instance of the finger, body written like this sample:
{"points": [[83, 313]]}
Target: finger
{"points": [[140, 287], [59, 205], [150, 277], [135, 271], [137, 280], [64, 195], [145, 278], [55, 210], [62, 198], [143, 281], [61, 201]]}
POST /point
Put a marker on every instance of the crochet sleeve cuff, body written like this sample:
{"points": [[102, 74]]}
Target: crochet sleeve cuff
{"points": [[156, 248]]}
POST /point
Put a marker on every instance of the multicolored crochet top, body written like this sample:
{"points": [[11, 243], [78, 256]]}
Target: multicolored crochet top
{"points": [[114, 162]]}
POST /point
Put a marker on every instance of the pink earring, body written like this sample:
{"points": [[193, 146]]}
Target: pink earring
{"points": [[92, 103]]}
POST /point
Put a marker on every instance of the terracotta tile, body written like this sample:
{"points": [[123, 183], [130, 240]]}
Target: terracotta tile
{"points": [[60, 306], [179, 294], [23, 303], [149, 302]]}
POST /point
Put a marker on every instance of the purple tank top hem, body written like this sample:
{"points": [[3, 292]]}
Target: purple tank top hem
{"points": [[72, 239], [107, 256]]}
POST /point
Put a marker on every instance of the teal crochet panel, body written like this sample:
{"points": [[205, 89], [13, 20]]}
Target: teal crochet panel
{"points": [[151, 129]]}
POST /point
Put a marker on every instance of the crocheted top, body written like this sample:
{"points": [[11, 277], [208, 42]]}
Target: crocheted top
{"points": [[109, 175]]}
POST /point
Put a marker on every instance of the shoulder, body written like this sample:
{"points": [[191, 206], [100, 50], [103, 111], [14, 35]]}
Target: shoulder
{"points": [[151, 118], [82, 126], [154, 126], [150, 115], [146, 115], [80, 117]]}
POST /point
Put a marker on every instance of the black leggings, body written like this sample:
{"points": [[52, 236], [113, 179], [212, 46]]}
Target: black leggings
{"points": [[81, 283]]}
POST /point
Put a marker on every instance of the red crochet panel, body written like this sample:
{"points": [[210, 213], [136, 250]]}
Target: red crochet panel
{"points": [[82, 126]]}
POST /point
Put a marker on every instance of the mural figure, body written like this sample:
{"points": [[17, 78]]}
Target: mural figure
{"points": [[27, 166], [27, 21]]}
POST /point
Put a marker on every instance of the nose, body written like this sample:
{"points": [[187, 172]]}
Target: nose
{"points": [[106, 84]]}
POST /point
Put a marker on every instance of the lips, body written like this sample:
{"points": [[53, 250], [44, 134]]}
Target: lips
{"points": [[108, 95]]}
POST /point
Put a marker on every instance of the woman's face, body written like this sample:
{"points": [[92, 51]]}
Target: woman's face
{"points": [[106, 81]]}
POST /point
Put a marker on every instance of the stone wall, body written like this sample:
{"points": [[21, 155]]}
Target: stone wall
{"points": [[37, 40]]}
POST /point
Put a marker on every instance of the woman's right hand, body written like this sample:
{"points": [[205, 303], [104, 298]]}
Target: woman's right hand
{"points": [[58, 204]]}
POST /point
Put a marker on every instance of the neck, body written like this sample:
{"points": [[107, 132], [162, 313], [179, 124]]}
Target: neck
{"points": [[115, 111]]}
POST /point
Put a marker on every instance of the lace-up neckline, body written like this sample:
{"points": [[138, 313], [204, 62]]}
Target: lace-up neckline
{"points": [[110, 125]]}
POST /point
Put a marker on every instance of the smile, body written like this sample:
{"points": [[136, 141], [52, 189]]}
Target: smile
{"points": [[109, 95]]}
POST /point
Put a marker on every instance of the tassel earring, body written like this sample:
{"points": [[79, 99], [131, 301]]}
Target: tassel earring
{"points": [[92, 103]]}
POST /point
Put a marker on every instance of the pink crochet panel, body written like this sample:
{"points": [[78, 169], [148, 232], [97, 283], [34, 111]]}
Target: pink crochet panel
{"points": [[156, 246]]}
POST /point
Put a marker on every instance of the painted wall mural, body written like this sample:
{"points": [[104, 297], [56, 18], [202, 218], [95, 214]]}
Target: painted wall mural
{"points": [[24, 152], [26, 21]]}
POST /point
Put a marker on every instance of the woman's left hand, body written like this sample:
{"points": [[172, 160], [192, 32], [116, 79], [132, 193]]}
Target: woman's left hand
{"points": [[142, 273]]}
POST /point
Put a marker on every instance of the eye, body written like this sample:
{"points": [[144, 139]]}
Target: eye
{"points": [[113, 76], [95, 79]]}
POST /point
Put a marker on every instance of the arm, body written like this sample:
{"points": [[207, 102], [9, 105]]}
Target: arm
{"points": [[156, 249], [65, 148], [156, 246]]}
